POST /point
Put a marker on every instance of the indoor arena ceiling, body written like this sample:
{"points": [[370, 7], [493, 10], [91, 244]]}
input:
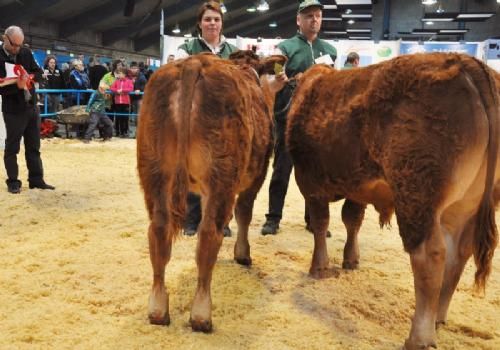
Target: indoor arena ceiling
{"points": [[139, 19]]}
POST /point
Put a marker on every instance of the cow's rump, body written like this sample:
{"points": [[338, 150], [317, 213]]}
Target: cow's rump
{"points": [[417, 135]]}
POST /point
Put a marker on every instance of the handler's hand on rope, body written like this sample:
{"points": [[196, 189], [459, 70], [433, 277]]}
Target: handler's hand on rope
{"points": [[278, 82]]}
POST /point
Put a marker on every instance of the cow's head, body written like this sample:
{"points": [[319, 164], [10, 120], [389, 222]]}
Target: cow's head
{"points": [[261, 65]]}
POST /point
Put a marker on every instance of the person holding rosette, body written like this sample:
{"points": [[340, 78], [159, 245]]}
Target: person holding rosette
{"points": [[20, 112]]}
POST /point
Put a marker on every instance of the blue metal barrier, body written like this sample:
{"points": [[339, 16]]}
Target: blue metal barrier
{"points": [[47, 92]]}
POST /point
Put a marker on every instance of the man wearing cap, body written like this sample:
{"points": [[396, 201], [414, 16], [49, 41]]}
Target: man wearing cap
{"points": [[302, 50]]}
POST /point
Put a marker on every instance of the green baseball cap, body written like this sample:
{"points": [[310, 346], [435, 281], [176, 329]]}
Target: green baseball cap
{"points": [[309, 3]]}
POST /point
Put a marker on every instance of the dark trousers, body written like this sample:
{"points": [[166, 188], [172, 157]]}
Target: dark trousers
{"points": [[193, 216], [23, 124], [282, 168], [53, 101], [121, 123], [97, 118]]}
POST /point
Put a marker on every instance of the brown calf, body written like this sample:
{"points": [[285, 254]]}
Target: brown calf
{"points": [[204, 127], [418, 135]]}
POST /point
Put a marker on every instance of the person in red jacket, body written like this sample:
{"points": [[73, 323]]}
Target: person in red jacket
{"points": [[121, 89]]}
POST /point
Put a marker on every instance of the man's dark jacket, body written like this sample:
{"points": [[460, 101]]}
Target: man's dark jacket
{"points": [[13, 100]]}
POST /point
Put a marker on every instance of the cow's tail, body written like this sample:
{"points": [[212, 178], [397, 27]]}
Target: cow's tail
{"points": [[176, 202], [486, 235]]}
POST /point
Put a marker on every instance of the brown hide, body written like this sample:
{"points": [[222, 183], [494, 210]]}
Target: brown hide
{"points": [[205, 127], [418, 135], [497, 187]]}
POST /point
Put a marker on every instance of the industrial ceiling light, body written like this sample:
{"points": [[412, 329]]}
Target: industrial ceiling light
{"points": [[251, 9], [428, 2], [263, 6], [429, 23], [439, 9], [188, 35], [176, 29], [273, 24], [351, 21]]}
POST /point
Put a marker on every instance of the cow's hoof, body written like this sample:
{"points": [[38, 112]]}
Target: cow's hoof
{"points": [[244, 261], [319, 273], [204, 326], [158, 320], [440, 324], [419, 346], [350, 265]]}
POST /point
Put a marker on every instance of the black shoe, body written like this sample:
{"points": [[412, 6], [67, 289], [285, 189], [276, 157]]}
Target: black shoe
{"points": [[328, 233], [189, 231], [270, 228], [42, 186], [227, 231], [14, 187]]}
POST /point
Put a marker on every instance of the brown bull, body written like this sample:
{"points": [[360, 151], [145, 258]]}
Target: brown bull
{"points": [[205, 127], [417, 135]]}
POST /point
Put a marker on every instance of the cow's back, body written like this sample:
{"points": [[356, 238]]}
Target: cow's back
{"points": [[430, 118]]}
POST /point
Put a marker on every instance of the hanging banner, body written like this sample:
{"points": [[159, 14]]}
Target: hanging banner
{"points": [[369, 52], [492, 53], [472, 49]]}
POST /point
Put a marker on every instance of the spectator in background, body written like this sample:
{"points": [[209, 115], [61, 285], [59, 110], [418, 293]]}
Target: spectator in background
{"points": [[121, 88], [352, 61], [97, 109], [96, 72], [79, 80], [170, 58], [66, 69], [107, 80], [142, 68], [139, 81], [149, 72], [54, 80], [81, 57]]}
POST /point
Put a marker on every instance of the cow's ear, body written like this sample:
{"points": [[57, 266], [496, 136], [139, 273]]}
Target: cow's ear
{"points": [[267, 64]]}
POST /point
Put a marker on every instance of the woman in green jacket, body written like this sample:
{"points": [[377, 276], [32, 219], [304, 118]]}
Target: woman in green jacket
{"points": [[210, 39], [210, 21]]}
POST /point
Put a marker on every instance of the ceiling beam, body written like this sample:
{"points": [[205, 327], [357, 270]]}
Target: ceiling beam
{"points": [[232, 19], [146, 41], [87, 19], [176, 10], [185, 19], [236, 29], [23, 11]]}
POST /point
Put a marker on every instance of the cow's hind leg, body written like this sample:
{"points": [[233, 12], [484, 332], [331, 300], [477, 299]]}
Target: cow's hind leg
{"points": [[243, 213], [160, 247], [320, 217], [216, 214], [458, 252], [352, 216], [427, 262]]}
